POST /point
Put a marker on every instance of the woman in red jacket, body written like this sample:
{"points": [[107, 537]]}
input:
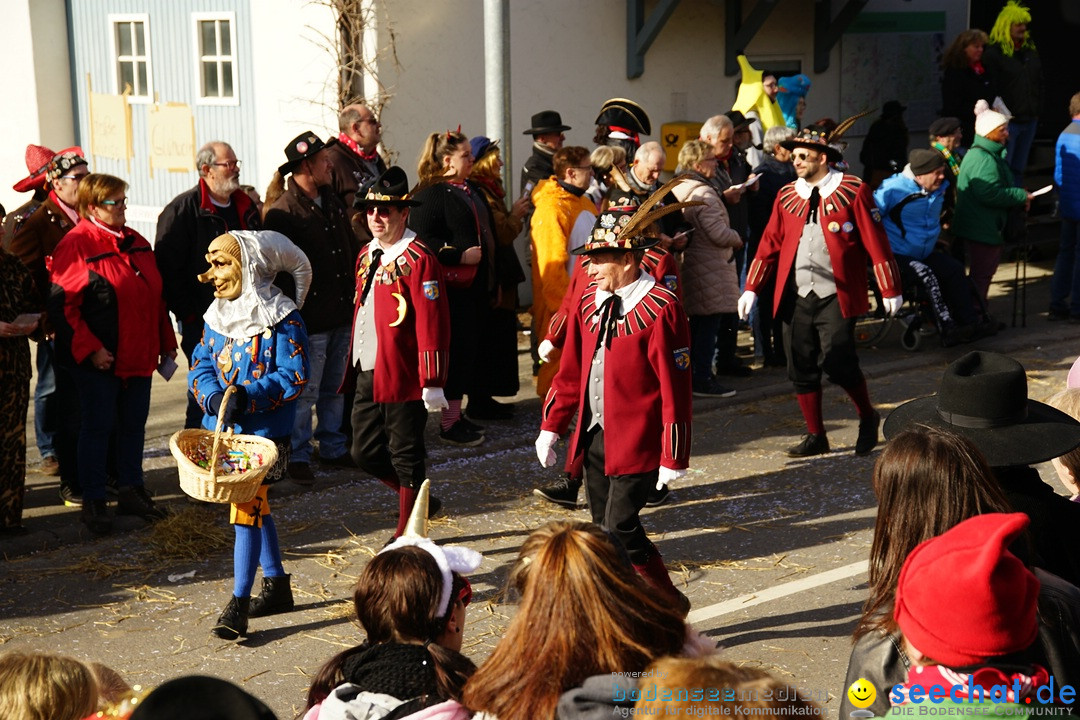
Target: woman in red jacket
{"points": [[113, 330]]}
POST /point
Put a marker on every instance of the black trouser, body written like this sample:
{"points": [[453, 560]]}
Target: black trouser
{"points": [[616, 500], [819, 339], [947, 287], [190, 336], [388, 438]]}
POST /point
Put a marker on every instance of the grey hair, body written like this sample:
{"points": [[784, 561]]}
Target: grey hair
{"points": [[774, 136], [714, 125], [351, 114], [647, 150], [207, 154]]}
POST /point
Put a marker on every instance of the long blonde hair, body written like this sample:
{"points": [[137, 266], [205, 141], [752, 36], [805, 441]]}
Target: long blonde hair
{"points": [[43, 686]]}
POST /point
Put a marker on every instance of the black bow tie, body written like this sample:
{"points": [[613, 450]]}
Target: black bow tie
{"points": [[815, 200], [610, 311], [376, 255]]}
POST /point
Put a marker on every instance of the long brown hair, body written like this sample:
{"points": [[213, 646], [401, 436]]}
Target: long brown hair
{"points": [[437, 146], [584, 611], [954, 56], [927, 480], [397, 601]]}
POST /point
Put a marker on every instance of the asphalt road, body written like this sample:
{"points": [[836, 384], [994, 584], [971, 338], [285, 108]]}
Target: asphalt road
{"points": [[770, 550]]}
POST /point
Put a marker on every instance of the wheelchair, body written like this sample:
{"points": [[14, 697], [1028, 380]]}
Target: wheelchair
{"points": [[915, 322]]}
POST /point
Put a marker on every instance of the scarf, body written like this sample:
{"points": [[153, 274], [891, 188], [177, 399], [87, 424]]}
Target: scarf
{"points": [[985, 677], [952, 160], [351, 144], [492, 185], [977, 68], [402, 670]]}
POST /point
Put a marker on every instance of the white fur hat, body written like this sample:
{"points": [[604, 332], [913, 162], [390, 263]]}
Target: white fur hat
{"points": [[987, 120]]}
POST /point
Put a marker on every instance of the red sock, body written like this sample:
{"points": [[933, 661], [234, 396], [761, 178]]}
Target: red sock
{"points": [[860, 395], [656, 574], [391, 482], [451, 414], [406, 500], [810, 404]]}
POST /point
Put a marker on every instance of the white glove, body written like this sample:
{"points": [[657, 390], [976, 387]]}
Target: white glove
{"points": [[668, 475], [434, 399], [544, 350], [746, 304], [893, 304], [545, 448]]}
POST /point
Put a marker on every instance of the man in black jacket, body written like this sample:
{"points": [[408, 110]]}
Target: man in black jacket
{"points": [[547, 131], [311, 214], [185, 229]]}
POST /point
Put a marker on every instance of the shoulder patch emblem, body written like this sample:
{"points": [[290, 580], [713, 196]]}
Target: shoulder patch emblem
{"points": [[682, 358], [431, 289], [876, 214], [671, 282]]}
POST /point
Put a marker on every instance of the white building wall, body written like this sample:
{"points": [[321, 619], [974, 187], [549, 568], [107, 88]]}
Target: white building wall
{"points": [[37, 84]]}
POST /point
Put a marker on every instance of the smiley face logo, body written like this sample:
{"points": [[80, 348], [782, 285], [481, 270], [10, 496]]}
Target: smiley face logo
{"points": [[861, 693]]}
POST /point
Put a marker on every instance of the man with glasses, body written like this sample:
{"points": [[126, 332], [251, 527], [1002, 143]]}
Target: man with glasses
{"points": [[185, 229], [400, 344], [310, 214], [824, 231], [35, 234], [355, 158]]}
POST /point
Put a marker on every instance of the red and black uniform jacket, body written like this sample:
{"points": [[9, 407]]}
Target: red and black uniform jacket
{"points": [[647, 405], [106, 292], [854, 236], [412, 324]]}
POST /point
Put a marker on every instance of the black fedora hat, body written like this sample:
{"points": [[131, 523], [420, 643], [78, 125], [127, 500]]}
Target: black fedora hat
{"points": [[546, 121], [738, 120], [299, 149], [607, 233], [391, 189], [201, 697], [983, 396]]}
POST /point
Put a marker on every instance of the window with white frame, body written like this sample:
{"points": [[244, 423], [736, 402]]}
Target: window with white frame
{"points": [[131, 50], [216, 61]]}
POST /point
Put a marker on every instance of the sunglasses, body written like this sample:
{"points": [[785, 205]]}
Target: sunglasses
{"points": [[122, 202], [380, 211]]}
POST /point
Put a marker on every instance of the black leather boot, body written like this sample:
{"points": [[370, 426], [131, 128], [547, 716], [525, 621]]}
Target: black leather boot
{"points": [[233, 621], [276, 597]]}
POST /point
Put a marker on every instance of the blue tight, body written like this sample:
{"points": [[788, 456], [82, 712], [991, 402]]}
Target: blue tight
{"points": [[254, 547]]}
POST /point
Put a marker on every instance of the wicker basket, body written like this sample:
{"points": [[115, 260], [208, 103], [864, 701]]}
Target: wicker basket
{"points": [[205, 484]]}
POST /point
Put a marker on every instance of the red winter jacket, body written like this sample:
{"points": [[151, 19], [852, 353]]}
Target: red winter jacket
{"points": [[106, 292]]}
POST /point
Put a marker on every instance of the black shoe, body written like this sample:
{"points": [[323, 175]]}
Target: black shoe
{"points": [[682, 603], [471, 426], [956, 335], [112, 487], [134, 500], [811, 445], [734, 370], [276, 597], [70, 497], [775, 361], [563, 492], [489, 409], [1053, 315], [658, 497], [434, 505], [344, 460], [711, 388], [300, 473], [868, 434], [95, 515], [233, 621], [459, 434]]}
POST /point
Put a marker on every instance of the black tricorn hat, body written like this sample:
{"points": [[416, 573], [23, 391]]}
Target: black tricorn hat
{"points": [[546, 121], [214, 699], [983, 396], [299, 149], [626, 114], [391, 189]]}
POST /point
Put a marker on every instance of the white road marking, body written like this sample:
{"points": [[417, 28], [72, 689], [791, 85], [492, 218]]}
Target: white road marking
{"points": [[699, 616]]}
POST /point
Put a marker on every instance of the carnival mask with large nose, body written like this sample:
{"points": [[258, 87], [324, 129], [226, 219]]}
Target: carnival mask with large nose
{"points": [[225, 273]]}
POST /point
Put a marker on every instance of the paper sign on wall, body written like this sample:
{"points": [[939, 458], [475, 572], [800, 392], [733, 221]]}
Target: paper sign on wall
{"points": [[171, 130], [110, 126]]}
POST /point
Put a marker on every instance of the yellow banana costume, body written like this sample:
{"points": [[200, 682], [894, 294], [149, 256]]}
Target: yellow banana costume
{"points": [[752, 97]]}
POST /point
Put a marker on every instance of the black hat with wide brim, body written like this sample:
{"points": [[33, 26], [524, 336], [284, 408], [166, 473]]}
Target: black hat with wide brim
{"points": [[391, 189], [607, 234], [624, 113], [546, 121], [300, 148], [983, 397], [813, 137]]}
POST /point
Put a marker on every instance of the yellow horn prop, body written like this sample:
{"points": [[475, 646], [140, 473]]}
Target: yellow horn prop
{"points": [[418, 521]]}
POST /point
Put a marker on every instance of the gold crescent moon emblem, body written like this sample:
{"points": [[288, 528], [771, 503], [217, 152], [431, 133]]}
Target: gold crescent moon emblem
{"points": [[402, 308]]}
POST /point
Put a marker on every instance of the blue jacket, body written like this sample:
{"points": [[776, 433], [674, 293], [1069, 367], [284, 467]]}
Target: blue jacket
{"points": [[272, 368], [913, 230], [1067, 170]]}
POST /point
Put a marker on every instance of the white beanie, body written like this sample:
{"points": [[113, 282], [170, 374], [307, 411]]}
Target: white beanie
{"points": [[987, 120]]}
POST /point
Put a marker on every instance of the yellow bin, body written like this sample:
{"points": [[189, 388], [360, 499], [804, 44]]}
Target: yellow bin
{"points": [[672, 137]]}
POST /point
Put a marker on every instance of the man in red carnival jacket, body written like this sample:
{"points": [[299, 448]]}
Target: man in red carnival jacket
{"points": [[823, 231], [625, 365], [400, 344]]}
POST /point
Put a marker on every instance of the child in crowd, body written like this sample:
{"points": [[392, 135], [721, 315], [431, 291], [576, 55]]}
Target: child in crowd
{"points": [[1068, 465], [966, 606], [43, 686]]}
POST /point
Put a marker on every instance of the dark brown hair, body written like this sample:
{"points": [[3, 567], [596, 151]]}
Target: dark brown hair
{"points": [[954, 56], [397, 601], [584, 612], [568, 157], [927, 480]]}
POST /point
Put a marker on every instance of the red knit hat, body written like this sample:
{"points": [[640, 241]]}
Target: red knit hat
{"points": [[963, 597]]}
